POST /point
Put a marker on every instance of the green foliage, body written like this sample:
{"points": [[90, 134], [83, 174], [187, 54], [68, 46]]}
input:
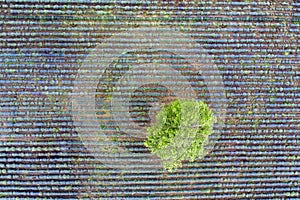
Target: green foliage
{"points": [[181, 131]]}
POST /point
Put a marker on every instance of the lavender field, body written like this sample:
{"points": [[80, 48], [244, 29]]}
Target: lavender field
{"points": [[81, 80]]}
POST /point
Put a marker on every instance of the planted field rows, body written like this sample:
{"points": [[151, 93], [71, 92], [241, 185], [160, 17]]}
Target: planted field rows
{"points": [[82, 81]]}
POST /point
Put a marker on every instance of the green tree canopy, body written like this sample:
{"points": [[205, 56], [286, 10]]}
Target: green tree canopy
{"points": [[181, 130]]}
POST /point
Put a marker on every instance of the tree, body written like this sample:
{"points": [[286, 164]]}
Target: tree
{"points": [[181, 130]]}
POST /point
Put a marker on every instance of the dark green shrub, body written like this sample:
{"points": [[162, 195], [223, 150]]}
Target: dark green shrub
{"points": [[181, 131]]}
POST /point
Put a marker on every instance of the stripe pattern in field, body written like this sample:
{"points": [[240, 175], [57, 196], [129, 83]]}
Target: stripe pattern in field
{"points": [[251, 45]]}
